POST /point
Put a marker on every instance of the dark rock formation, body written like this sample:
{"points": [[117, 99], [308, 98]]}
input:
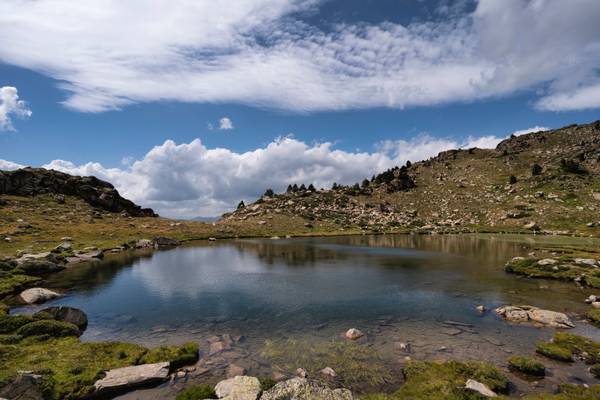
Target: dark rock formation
{"points": [[98, 193], [65, 314]]}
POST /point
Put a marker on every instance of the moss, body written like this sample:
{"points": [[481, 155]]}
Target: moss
{"points": [[68, 366], [526, 365], [266, 383], [176, 355], [358, 367], [585, 348], [10, 323], [12, 283], [198, 392], [569, 392], [48, 327], [595, 370], [564, 270], [554, 352], [4, 309], [594, 316]]}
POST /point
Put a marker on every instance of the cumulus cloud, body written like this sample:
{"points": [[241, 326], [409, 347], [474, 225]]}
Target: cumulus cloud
{"points": [[530, 130], [10, 106], [190, 179], [9, 165], [225, 124], [257, 52]]}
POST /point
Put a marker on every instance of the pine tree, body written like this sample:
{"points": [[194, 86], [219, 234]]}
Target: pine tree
{"points": [[311, 188]]}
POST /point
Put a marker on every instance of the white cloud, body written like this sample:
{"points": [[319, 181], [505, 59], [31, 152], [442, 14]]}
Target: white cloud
{"points": [[9, 165], [256, 52], [530, 130], [10, 105], [225, 124], [189, 179]]}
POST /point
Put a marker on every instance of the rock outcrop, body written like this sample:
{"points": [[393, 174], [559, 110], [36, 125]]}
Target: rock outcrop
{"points": [[98, 193], [534, 315]]}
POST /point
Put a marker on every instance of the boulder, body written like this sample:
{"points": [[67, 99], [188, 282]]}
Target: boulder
{"points": [[25, 386], [547, 261], [143, 244], [480, 388], [238, 388], [354, 334], [590, 262], [328, 372], [304, 389], [131, 377], [38, 295], [39, 267], [66, 314], [524, 314], [162, 241]]}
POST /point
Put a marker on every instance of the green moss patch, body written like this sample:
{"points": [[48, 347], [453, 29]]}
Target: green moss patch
{"points": [[527, 366], [4, 309], [554, 352], [565, 346], [48, 327], [198, 392], [176, 355], [594, 316], [12, 283], [564, 270], [569, 392], [10, 323]]}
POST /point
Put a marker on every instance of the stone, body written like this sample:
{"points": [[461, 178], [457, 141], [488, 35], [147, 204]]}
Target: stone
{"points": [[238, 388], [67, 314], [304, 389], [480, 308], [38, 295], [328, 372], [532, 226], [162, 241], [218, 347], [25, 386], [547, 261], [235, 370], [131, 377], [301, 372], [65, 246], [586, 262], [591, 299], [143, 244], [40, 267], [480, 388], [520, 314], [354, 334]]}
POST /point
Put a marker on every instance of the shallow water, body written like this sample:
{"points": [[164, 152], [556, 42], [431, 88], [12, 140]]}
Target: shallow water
{"points": [[420, 290]]}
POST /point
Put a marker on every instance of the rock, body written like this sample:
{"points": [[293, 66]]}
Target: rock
{"points": [[218, 347], [354, 334], [162, 241], [480, 308], [131, 377], [480, 388], [532, 226], [25, 386], [596, 304], [40, 267], [591, 298], [328, 372], [303, 389], [235, 370], [65, 246], [66, 314], [301, 372], [520, 314], [238, 388], [38, 295], [547, 261], [586, 262], [143, 244]]}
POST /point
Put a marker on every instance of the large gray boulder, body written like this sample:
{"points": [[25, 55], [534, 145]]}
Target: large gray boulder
{"points": [[304, 389], [120, 379], [38, 295], [534, 315], [66, 314]]}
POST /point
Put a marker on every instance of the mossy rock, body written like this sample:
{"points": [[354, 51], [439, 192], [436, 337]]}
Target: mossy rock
{"points": [[594, 316], [10, 323], [4, 309], [446, 380], [585, 348], [177, 355], [526, 365], [14, 282], [554, 351], [198, 392], [48, 327]]}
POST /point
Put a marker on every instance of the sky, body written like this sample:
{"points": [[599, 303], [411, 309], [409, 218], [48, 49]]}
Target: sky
{"points": [[189, 106]]}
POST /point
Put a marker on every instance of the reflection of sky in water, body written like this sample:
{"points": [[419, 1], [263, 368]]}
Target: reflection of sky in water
{"points": [[314, 280]]}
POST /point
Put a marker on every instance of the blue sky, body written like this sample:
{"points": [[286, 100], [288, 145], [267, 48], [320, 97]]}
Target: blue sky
{"points": [[315, 91]]}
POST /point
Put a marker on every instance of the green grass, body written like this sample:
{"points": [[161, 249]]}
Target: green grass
{"points": [[176, 355], [564, 346], [526, 365], [199, 392], [48, 327], [594, 316], [554, 351]]}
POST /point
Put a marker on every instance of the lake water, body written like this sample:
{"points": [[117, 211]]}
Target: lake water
{"points": [[276, 304]]}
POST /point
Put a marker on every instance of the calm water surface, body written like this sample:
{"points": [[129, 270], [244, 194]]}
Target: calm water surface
{"points": [[409, 289]]}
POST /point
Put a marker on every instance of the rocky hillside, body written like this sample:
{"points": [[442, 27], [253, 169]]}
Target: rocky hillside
{"points": [[543, 181], [100, 194]]}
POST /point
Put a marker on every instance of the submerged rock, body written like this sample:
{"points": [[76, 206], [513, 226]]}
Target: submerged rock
{"points": [[238, 388], [521, 314], [130, 377], [38, 295], [303, 389], [480, 388]]}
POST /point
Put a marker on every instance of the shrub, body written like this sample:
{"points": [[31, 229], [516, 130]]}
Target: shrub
{"points": [[269, 193], [536, 170], [571, 167], [526, 365], [48, 327], [512, 179], [197, 393]]}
